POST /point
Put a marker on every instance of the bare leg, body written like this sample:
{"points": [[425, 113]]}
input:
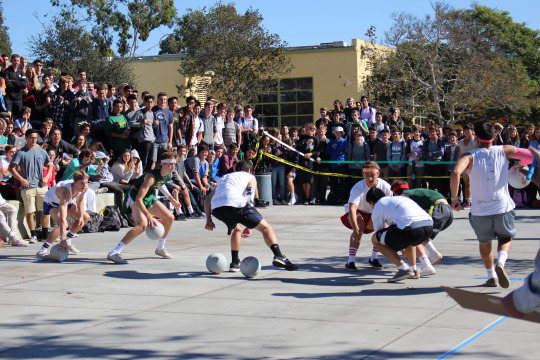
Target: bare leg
{"points": [[31, 221], [487, 254], [267, 233], [236, 238], [388, 252], [164, 214]]}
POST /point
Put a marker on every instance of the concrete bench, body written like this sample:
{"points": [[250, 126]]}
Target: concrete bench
{"points": [[102, 200]]}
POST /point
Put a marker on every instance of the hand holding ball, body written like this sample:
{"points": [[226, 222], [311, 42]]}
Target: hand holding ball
{"points": [[156, 233], [58, 255]]}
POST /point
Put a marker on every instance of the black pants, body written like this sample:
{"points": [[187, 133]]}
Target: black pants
{"points": [[146, 150], [119, 191], [338, 184]]}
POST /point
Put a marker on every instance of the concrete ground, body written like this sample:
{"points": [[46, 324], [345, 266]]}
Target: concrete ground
{"points": [[88, 308]]}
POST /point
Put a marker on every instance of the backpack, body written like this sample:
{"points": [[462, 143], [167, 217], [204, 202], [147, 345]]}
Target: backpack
{"points": [[116, 220], [93, 223]]}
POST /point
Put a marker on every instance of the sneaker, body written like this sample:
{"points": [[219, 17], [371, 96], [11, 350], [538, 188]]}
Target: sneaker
{"points": [[283, 262], [305, 203], [19, 243], [493, 282], [466, 205], [312, 202], [375, 263], [33, 239], [116, 258], [73, 249], [101, 190], [504, 280], [427, 271], [402, 275], [41, 255], [234, 267], [416, 274], [292, 201], [351, 266], [435, 258], [164, 254], [180, 217], [284, 202]]}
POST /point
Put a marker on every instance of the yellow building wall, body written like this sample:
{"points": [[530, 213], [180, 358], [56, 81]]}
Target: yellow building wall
{"points": [[159, 74]]}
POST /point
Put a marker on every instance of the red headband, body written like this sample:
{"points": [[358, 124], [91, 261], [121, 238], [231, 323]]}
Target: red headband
{"points": [[483, 141], [400, 186]]}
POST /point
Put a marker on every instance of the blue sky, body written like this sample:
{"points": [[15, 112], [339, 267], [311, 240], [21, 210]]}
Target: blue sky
{"points": [[299, 22]]}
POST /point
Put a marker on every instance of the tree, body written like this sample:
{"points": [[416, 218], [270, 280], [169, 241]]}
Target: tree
{"points": [[234, 51], [130, 20], [65, 46], [5, 42], [444, 67]]}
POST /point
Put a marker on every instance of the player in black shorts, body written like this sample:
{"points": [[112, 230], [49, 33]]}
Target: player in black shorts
{"points": [[231, 202]]}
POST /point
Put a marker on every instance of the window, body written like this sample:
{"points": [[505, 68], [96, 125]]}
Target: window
{"points": [[291, 104]]}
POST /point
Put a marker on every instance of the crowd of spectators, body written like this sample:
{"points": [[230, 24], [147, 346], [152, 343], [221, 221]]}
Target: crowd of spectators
{"points": [[49, 130]]}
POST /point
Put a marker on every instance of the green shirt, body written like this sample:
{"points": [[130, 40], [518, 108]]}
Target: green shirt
{"points": [[425, 198], [159, 180], [117, 124]]}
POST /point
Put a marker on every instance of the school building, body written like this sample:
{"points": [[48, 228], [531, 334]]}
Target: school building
{"points": [[322, 73]]}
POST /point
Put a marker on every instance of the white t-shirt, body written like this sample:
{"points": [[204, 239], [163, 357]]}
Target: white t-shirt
{"points": [[220, 124], [231, 189], [52, 198], [251, 123], [489, 182], [397, 210], [358, 195], [4, 163], [416, 146], [198, 126]]}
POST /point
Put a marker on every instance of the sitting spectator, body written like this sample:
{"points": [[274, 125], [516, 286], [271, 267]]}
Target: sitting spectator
{"points": [[45, 131], [8, 228], [64, 150], [3, 139], [80, 142], [138, 170], [23, 124], [228, 159], [197, 169], [81, 163], [104, 177], [124, 168], [9, 133], [4, 162]]}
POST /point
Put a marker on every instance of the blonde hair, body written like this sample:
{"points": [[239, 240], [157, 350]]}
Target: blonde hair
{"points": [[33, 79], [370, 165]]}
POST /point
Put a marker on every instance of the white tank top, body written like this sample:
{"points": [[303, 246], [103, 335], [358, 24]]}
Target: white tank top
{"points": [[489, 182], [51, 197]]}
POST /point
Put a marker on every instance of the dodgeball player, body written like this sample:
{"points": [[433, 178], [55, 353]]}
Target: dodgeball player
{"points": [[58, 202], [142, 203], [358, 213], [231, 202], [492, 209]]}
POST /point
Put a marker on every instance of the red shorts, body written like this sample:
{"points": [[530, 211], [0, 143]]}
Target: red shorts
{"points": [[365, 216]]}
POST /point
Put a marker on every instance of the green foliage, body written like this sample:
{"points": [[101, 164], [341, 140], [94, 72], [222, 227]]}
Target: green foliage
{"points": [[233, 50], [5, 42], [65, 46], [128, 20], [172, 44], [449, 70]]}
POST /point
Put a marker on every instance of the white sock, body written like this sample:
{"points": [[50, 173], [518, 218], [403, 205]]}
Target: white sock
{"points": [[503, 255], [491, 273], [179, 211], [374, 254], [413, 267], [424, 260], [403, 267], [190, 209], [430, 248], [161, 244], [68, 240], [118, 249]]}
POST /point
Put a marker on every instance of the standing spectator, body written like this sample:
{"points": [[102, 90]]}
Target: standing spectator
{"points": [[324, 119], [146, 137], [337, 150], [172, 103], [45, 96], [336, 122], [379, 125], [220, 122], [194, 127], [30, 160], [367, 113], [415, 171], [209, 124], [465, 145], [163, 127], [134, 116], [111, 92], [31, 93], [358, 150], [117, 129], [38, 69], [322, 180], [15, 83], [23, 124], [379, 153], [451, 153], [250, 126], [232, 132], [396, 152], [339, 108], [394, 119], [362, 126], [61, 104], [433, 150], [81, 107], [101, 108], [349, 107], [372, 139], [309, 145]]}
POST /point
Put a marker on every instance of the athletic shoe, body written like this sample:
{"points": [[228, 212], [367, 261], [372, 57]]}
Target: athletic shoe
{"points": [[33, 239], [504, 280], [493, 282], [73, 249], [284, 202], [116, 258], [283, 262], [180, 217], [435, 258], [101, 190], [19, 243], [312, 202], [351, 266], [40, 255], [402, 275], [466, 205], [292, 201], [375, 263], [427, 271], [416, 274], [164, 254], [234, 267]]}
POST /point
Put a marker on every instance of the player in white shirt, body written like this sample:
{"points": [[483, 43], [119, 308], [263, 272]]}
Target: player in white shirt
{"points": [[59, 203], [408, 226], [231, 202], [492, 209], [358, 213]]}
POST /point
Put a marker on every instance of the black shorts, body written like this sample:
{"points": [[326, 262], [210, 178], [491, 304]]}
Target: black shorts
{"points": [[443, 217], [399, 239], [305, 177], [232, 216]]}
